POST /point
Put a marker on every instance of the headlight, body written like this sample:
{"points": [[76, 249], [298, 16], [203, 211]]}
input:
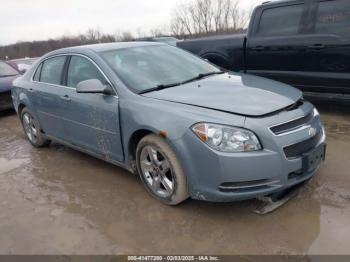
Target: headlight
{"points": [[226, 138]]}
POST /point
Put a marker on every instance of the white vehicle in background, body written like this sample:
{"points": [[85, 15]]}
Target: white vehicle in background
{"points": [[161, 39], [22, 64]]}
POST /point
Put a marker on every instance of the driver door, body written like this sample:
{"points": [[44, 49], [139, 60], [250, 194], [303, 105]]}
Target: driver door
{"points": [[91, 120]]}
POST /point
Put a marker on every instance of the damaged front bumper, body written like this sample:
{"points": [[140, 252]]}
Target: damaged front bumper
{"points": [[285, 161]]}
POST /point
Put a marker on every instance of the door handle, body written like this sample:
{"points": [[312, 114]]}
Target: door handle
{"points": [[66, 98], [258, 48], [317, 46]]}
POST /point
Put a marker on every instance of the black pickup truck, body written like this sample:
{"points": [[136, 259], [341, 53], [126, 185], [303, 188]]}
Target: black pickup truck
{"points": [[302, 43]]}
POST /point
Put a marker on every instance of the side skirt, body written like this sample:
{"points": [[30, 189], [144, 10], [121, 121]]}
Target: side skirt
{"points": [[85, 151]]}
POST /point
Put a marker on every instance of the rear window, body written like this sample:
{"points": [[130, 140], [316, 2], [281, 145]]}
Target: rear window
{"points": [[333, 17], [51, 71], [284, 20]]}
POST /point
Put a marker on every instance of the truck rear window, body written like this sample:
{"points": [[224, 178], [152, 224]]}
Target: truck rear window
{"points": [[284, 20], [333, 17]]}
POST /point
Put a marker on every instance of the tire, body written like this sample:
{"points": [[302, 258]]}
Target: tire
{"points": [[162, 171], [32, 129]]}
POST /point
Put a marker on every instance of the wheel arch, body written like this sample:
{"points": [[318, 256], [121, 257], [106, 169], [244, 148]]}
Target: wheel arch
{"points": [[218, 59], [20, 107], [133, 141]]}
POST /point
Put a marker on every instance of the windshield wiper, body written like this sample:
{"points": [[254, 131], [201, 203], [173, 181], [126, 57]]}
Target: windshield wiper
{"points": [[198, 77], [201, 76], [159, 87]]}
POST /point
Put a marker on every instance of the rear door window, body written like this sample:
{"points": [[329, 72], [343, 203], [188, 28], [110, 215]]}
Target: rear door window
{"points": [[51, 71], [333, 17], [284, 20]]}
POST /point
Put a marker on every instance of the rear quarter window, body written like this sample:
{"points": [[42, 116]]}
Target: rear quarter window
{"points": [[283, 20], [333, 17], [37, 73]]}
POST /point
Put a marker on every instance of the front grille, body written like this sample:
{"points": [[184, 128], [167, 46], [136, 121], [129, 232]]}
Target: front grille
{"points": [[292, 125], [300, 148]]}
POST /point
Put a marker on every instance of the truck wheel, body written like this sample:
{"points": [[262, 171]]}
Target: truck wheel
{"points": [[160, 170], [32, 129]]}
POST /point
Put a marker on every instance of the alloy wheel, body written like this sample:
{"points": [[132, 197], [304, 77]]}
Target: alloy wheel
{"points": [[157, 172], [30, 128]]}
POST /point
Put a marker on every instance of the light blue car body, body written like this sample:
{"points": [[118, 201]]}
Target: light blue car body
{"points": [[109, 126]]}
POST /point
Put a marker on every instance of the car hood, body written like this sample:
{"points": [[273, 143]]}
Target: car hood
{"points": [[6, 83], [235, 93]]}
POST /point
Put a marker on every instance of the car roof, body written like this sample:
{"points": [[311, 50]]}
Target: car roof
{"points": [[107, 46]]}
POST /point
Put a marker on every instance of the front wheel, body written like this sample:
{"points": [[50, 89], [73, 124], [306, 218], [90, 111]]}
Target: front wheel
{"points": [[32, 129], [160, 170]]}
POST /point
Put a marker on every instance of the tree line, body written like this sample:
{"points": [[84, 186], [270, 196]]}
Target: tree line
{"points": [[39, 48], [197, 18]]}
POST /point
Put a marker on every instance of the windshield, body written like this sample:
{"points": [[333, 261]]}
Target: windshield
{"points": [[7, 70], [143, 68]]}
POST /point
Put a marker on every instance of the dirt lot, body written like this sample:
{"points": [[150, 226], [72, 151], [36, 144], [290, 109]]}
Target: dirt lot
{"points": [[57, 200]]}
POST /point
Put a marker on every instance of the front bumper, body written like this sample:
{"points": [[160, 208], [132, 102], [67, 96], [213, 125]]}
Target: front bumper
{"points": [[224, 177], [5, 101]]}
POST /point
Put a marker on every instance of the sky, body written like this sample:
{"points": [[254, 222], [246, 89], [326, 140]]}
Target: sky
{"points": [[28, 20]]}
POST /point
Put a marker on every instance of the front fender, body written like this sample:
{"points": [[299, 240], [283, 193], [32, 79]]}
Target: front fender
{"points": [[174, 119]]}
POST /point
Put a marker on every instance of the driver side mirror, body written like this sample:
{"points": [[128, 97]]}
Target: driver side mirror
{"points": [[94, 86]]}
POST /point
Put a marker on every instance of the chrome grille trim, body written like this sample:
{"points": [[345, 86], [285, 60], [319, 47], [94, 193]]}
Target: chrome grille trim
{"points": [[293, 125]]}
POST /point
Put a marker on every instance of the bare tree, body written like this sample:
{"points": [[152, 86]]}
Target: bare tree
{"points": [[161, 30], [239, 17], [183, 20], [206, 17], [127, 36], [94, 35]]}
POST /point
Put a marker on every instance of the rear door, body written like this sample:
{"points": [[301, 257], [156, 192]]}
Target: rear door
{"points": [[276, 42], [46, 95], [91, 120], [328, 52]]}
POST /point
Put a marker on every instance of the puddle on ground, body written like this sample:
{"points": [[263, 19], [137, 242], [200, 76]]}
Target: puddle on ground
{"points": [[7, 165]]}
